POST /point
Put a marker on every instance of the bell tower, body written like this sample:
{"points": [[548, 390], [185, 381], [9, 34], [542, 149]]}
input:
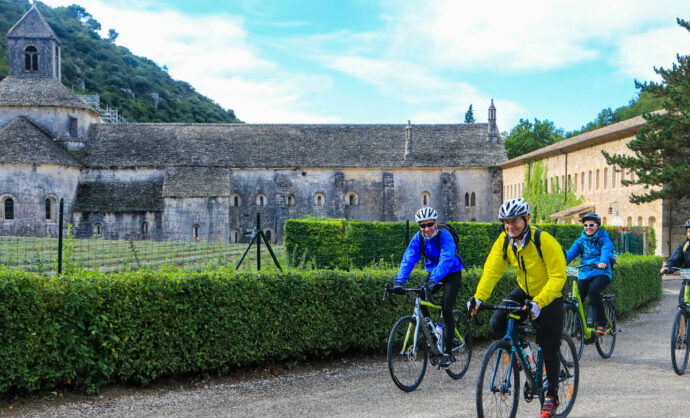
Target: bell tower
{"points": [[33, 48]]}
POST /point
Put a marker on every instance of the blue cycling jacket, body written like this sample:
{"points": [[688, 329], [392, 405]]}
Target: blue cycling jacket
{"points": [[439, 262], [595, 249]]}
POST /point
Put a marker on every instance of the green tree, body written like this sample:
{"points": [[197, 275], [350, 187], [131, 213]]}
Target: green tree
{"points": [[661, 160], [542, 202], [112, 35], [526, 137], [469, 116]]}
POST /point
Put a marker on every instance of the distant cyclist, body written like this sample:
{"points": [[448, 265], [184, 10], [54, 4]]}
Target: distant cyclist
{"points": [[681, 257], [595, 247], [443, 265], [540, 278]]}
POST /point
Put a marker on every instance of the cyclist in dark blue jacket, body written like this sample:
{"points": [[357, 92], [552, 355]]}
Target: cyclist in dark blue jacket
{"points": [[681, 257], [595, 247], [443, 265]]}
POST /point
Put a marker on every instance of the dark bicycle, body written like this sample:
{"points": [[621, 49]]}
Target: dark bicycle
{"points": [[414, 341], [498, 385], [679, 332]]}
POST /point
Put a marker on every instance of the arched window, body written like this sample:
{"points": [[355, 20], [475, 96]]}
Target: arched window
{"points": [[606, 177], [98, 229], [467, 199], [30, 58], [639, 221], [651, 221], [473, 201], [613, 177], [195, 232], [49, 207], [629, 221], [319, 199], [575, 184], [425, 198], [582, 182], [235, 236], [351, 199], [597, 179], [589, 180], [144, 228], [235, 200], [7, 208], [291, 200], [261, 200]]}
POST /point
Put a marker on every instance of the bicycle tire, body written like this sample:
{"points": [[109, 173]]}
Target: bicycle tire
{"points": [[496, 366], [679, 343], [572, 325], [607, 342], [406, 367], [568, 377], [462, 346]]}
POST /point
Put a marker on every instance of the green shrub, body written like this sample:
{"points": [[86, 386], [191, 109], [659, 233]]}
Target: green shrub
{"points": [[94, 328]]}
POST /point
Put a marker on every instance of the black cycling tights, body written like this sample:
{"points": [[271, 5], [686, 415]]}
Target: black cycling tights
{"points": [[451, 284]]}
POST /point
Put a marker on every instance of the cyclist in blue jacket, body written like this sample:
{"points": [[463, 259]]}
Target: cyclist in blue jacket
{"points": [[595, 247], [443, 265], [681, 256]]}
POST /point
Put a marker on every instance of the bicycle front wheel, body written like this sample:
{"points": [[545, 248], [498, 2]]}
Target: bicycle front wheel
{"points": [[407, 360], [606, 342], [498, 385], [679, 343], [572, 325], [462, 346], [568, 377]]}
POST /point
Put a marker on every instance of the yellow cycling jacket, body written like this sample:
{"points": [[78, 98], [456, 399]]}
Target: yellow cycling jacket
{"points": [[542, 280]]}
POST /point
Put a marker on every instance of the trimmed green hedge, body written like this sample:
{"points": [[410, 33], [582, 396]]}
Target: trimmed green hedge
{"points": [[343, 244], [95, 328]]}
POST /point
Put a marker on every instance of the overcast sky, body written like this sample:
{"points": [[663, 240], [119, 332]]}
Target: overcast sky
{"points": [[389, 61]]}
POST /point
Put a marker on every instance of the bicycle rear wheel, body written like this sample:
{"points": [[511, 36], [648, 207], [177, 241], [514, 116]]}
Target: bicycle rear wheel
{"points": [[607, 342], [462, 346], [568, 377], [572, 325], [498, 385], [679, 342], [407, 361]]}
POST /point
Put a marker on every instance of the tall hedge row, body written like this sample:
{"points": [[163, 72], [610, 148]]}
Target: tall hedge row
{"points": [[343, 244], [94, 328]]}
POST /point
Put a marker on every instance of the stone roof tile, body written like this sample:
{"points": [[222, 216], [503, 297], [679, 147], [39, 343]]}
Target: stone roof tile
{"points": [[119, 197], [23, 142], [37, 91], [196, 182]]}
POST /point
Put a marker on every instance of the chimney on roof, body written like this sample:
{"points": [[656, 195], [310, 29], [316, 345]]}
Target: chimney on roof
{"points": [[492, 134], [408, 142]]}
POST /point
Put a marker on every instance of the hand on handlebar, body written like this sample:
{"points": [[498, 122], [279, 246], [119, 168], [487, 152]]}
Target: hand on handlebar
{"points": [[533, 307], [398, 288], [473, 306]]}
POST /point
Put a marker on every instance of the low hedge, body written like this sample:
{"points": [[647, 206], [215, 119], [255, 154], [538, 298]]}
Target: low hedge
{"points": [[345, 245], [93, 328]]}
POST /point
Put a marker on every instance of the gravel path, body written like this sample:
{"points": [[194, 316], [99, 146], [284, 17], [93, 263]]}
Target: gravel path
{"points": [[637, 381]]}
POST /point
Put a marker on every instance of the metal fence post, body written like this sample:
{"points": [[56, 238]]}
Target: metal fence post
{"points": [[60, 223], [258, 241]]}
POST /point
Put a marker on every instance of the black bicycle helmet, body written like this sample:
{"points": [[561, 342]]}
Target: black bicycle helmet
{"points": [[687, 224], [513, 208], [591, 216], [425, 214]]}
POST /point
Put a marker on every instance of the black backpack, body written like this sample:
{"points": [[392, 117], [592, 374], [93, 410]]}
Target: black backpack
{"points": [[441, 227], [537, 244]]}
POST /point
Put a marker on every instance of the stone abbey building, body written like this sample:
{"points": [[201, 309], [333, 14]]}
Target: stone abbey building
{"points": [[167, 181]]}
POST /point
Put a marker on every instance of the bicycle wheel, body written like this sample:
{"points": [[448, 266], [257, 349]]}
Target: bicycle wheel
{"points": [[679, 343], [606, 342], [462, 346], [498, 385], [407, 362], [572, 325], [568, 377]]}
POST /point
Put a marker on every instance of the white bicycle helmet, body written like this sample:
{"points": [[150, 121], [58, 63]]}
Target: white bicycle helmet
{"points": [[425, 214], [687, 224], [513, 208]]}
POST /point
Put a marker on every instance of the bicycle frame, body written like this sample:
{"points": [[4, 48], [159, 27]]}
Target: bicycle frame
{"points": [[574, 297], [436, 349]]}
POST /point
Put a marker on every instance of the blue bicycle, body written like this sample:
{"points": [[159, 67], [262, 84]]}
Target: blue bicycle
{"points": [[498, 385]]}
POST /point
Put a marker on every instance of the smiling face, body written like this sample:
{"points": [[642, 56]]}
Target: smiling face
{"points": [[591, 227], [515, 226], [428, 228]]}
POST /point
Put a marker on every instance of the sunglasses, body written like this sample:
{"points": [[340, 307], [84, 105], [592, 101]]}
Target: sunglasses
{"points": [[590, 225], [427, 225]]}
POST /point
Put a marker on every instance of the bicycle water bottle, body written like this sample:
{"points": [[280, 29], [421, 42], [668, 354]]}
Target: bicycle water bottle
{"points": [[439, 331], [528, 353]]}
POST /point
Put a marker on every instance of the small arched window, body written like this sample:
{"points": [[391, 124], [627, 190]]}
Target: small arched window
{"points": [[425, 199], [261, 200], [195, 232], [651, 221], [144, 228], [473, 200], [235, 236], [269, 235], [7, 208], [235, 200], [319, 199], [606, 178], [467, 199], [291, 200], [98, 229], [49, 207], [639, 221], [30, 58], [629, 221], [352, 199]]}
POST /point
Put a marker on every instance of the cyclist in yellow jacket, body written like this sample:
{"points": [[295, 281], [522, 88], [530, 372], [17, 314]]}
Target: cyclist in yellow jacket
{"points": [[540, 276]]}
